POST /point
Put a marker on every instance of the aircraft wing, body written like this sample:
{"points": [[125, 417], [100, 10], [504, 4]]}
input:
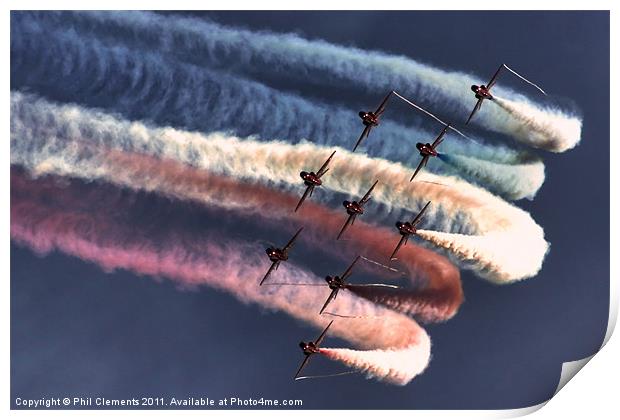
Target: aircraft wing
{"points": [[347, 273], [303, 364], [402, 241], [324, 168], [381, 108], [322, 336], [476, 108], [439, 138], [366, 197], [331, 297], [303, 197], [346, 225], [365, 133], [391, 286], [417, 219], [290, 243], [494, 78], [273, 266], [422, 163]]}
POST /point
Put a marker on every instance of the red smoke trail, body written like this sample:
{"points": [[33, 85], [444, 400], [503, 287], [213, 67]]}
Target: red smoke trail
{"points": [[442, 294], [439, 296], [78, 219]]}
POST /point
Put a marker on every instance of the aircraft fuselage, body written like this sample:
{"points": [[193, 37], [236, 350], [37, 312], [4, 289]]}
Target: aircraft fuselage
{"points": [[310, 179], [426, 149], [308, 348], [406, 228], [369, 118], [276, 254], [353, 207], [481, 92], [335, 282]]}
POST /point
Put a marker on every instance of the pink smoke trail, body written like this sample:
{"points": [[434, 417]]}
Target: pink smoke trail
{"points": [[47, 215], [260, 202]]}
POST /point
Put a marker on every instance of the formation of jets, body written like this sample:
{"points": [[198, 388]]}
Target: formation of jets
{"points": [[312, 180]]}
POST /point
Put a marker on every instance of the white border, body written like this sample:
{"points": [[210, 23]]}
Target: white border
{"points": [[594, 394]]}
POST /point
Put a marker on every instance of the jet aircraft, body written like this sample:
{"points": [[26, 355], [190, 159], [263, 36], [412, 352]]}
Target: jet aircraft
{"points": [[407, 229], [277, 255], [354, 209], [313, 180]]}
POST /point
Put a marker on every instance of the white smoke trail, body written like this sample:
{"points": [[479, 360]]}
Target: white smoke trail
{"points": [[52, 145], [384, 363], [547, 128], [292, 57], [148, 86], [93, 234], [491, 254]]}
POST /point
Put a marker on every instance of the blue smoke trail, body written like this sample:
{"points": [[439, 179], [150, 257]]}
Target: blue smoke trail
{"points": [[490, 173], [147, 86], [291, 57]]}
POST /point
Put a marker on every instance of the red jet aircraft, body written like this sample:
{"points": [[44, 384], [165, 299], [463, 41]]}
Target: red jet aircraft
{"points": [[355, 208], [427, 150], [370, 119], [483, 92], [407, 229], [277, 255], [311, 348], [312, 180], [336, 283]]}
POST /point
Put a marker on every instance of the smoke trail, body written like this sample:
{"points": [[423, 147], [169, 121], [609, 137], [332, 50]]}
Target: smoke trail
{"points": [[291, 57], [274, 163], [520, 181], [44, 149], [261, 203], [547, 127], [147, 86], [102, 229], [226, 155], [373, 361], [516, 252]]}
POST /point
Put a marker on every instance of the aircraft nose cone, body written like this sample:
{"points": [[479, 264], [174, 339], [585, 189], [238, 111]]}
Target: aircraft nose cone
{"points": [[474, 88], [362, 114]]}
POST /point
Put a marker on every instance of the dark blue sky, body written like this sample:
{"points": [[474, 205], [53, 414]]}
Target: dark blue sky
{"points": [[76, 330]]}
